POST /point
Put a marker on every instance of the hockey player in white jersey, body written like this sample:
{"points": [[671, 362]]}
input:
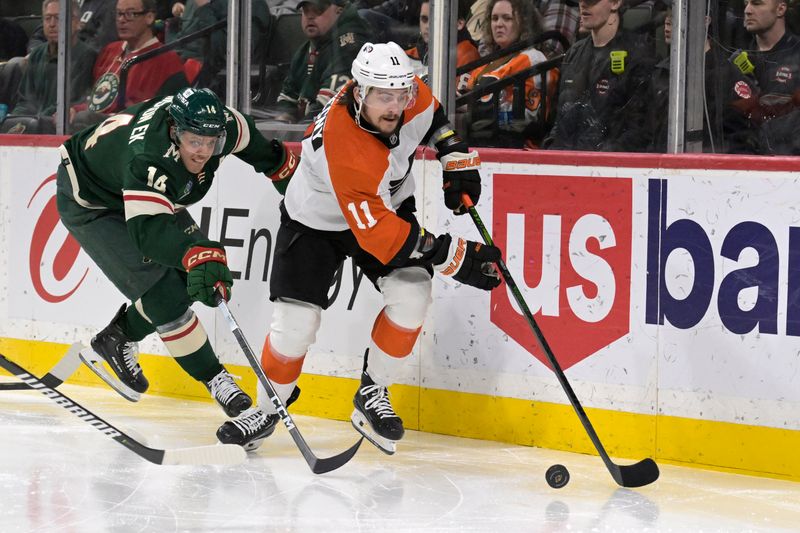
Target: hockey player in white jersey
{"points": [[353, 195]]}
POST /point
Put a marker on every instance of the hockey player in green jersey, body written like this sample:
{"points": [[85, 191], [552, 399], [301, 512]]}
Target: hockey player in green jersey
{"points": [[122, 189]]}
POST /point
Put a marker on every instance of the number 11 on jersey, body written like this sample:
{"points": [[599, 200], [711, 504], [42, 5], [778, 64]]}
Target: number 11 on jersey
{"points": [[365, 209]]}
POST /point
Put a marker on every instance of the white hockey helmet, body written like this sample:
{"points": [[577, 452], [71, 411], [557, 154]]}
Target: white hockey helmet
{"points": [[383, 65]]}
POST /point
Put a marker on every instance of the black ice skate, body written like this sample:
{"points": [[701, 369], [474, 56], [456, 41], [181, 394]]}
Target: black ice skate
{"points": [[121, 354], [374, 417], [227, 393], [251, 427]]}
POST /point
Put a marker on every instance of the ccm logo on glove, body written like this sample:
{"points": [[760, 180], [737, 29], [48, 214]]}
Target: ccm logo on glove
{"points": [[288, 167], [290, 162], [199, 255]]}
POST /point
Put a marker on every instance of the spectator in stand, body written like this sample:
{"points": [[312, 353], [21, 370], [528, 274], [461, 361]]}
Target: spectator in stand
{"points": [[507, 23], [392, 20], [157, 76], [561, 15], [36, 104], [13, 48], [13, 40], [322, 66], [215, 57], [605, 78], [188, 18], [723, 124], [466, 51], [773, 109], [98, 27], [476, 19]]}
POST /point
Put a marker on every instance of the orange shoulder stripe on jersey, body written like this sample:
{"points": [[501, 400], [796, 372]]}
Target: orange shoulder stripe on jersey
{"points": [[357, 164]]}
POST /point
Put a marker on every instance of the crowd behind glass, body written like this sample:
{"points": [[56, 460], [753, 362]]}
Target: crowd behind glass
{"points": [[531, 74]]}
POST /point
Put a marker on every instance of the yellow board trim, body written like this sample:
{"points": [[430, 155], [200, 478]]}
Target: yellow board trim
{"points": [[723, 446]]}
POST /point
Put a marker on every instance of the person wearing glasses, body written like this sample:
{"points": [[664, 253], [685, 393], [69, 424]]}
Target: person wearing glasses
{"points": [[158, 76], [36, 105]]}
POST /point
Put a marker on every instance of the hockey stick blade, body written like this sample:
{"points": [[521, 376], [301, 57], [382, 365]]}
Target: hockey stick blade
{"points": [[60, 373], [318, 465], [95, 364], [217, 454], [636, 475]]}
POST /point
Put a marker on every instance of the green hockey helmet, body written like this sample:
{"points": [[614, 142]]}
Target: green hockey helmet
{"points": [[200, 112]]}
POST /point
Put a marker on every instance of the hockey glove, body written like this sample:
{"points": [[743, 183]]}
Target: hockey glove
{"points": [[206, 271], [469, 262], [289, 162], [459, 171]]}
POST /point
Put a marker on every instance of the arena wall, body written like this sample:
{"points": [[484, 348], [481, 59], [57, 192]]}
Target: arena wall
{"points": [[667, 286]]}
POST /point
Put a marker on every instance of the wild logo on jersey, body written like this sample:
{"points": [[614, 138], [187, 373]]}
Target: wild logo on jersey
{"points": [[105, 92]]}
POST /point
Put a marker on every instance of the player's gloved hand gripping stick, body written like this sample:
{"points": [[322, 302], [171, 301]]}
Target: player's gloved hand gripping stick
{"points": [[318, 465], [636, 475], [207, 272]]}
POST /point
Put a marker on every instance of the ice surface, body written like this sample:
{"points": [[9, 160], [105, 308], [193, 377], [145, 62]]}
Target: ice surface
{"points": [[59, 474]]}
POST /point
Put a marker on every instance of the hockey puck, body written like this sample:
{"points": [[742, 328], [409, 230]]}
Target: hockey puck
{"points": [[557, 476]]}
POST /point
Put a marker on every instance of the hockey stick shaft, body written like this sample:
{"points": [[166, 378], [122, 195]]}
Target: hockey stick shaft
{"points": [[60, 373], [642, 473], [318, 465], [218, 454]]}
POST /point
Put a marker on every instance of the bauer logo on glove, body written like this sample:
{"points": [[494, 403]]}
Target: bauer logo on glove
{"points": [[466, 261], [463, 162]]}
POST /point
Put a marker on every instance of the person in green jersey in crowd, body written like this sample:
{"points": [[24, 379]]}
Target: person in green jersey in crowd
{"points": [[122, 189]]}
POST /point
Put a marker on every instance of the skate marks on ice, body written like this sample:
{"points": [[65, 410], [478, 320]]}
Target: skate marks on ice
{"points": [[56, 475]]}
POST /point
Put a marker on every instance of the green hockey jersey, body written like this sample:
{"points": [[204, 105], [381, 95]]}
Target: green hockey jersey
{"points": [[129, 163]]}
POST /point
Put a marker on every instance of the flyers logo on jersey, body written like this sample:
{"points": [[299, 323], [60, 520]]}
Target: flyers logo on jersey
{"points": [[567, 240], [463, 163]]}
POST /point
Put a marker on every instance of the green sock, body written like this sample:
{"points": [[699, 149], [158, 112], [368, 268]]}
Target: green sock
{"points": [[134, 325], [202, 364]]}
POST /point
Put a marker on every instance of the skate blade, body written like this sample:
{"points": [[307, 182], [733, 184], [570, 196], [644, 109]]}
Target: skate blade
{"points": [[359, 421], [95, 364], [254, 445]]}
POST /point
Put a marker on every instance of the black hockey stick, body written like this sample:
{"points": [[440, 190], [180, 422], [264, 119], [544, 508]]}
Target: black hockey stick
{"points": [[636, 475], [219, 454], [317, 465], [65, 367]]}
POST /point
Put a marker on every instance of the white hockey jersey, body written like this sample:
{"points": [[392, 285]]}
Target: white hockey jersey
{"points": [[349, 178]]}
